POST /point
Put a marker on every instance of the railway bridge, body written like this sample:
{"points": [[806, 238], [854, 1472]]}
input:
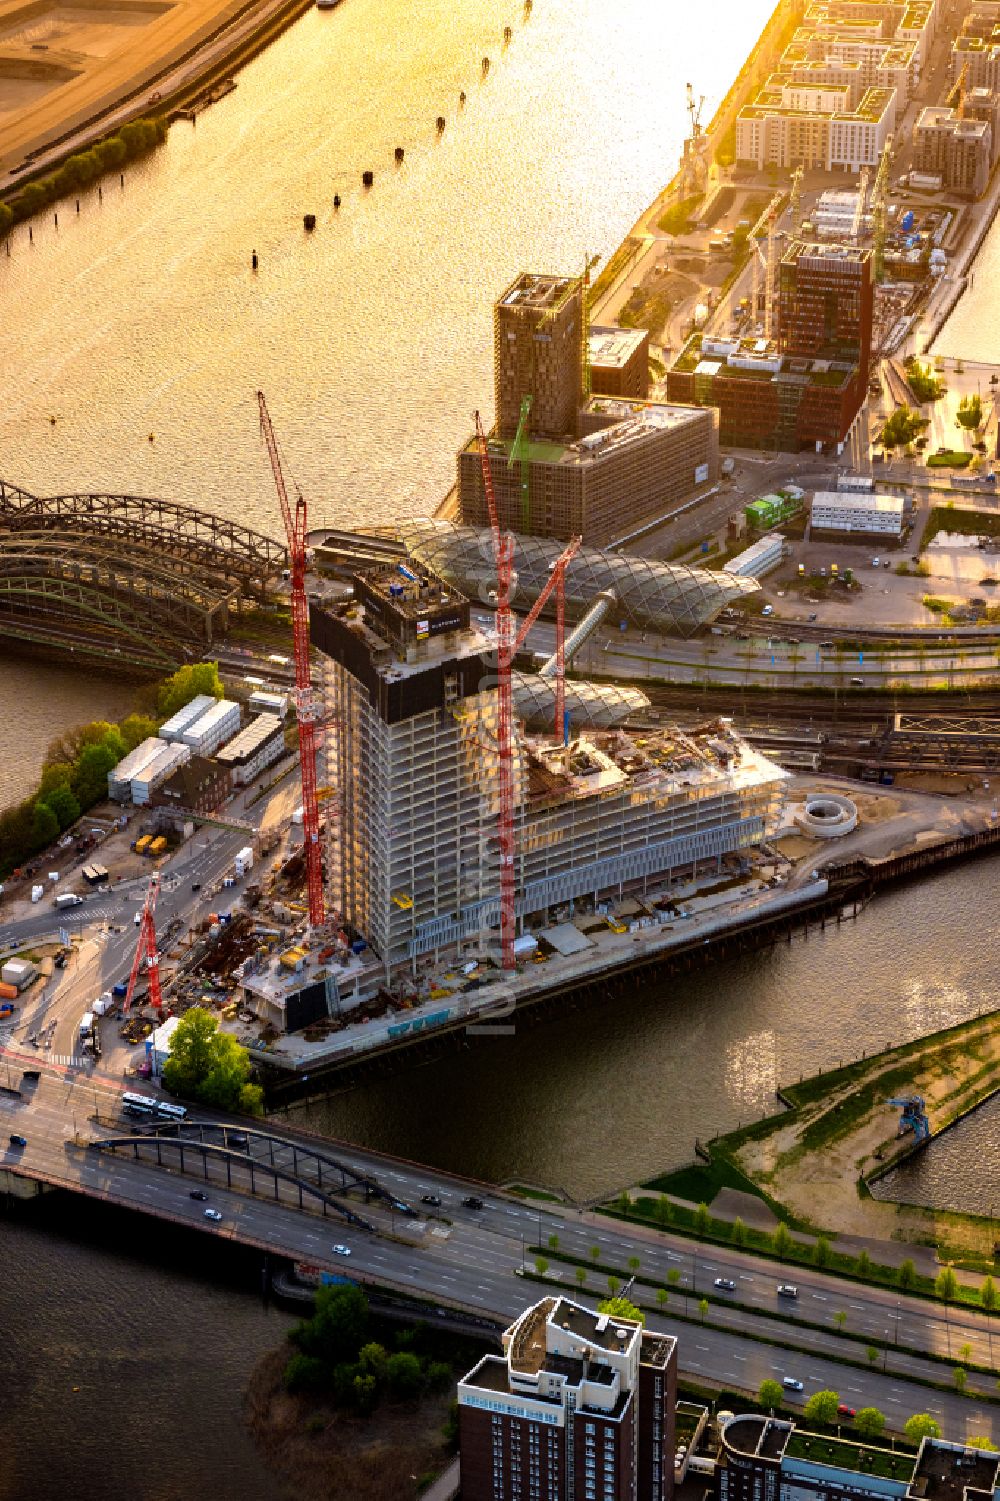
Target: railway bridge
{"points": [[150, 581]]}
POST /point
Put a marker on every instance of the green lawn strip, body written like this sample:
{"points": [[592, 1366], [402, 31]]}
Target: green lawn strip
{"points": [[765, 1313], [701, 1181], [719, 1233], [781, 1344], [524, 1192]]}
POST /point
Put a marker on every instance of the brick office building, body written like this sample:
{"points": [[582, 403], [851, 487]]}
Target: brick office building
{"points": [[580, 1407]]}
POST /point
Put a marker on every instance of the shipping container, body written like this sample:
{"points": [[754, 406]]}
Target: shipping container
{"points": [[8, 992], [158, 845], [141, 845]]}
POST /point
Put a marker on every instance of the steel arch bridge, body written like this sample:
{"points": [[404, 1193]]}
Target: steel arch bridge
{"points": [[314, 1172], [151, 581]]}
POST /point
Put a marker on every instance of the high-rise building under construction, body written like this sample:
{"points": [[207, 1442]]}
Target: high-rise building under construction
{"points": [[538, 352]]}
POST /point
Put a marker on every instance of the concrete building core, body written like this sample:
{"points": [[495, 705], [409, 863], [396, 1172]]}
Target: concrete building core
{"points": [[538, 352]]}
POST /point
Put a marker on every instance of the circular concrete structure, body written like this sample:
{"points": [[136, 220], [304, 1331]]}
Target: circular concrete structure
{"points": [[827, 815]]}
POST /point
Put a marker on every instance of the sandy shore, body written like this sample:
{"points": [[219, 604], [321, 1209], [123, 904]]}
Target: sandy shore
{"points": [[69, 74]]}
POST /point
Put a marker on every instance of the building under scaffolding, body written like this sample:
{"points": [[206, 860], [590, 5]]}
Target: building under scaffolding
{"points": [[412, 860]]}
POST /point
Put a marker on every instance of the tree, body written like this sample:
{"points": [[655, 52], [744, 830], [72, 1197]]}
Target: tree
{"points": [[946, 1284], [208, 1065], [623, 1203], [702, 1221], [674, 1276], [304, 1373], [960, 1378], [621, 1308], [64, 805], [613, 1284], [965, 1353], [988, 1295], [541, 1265], [365, 1394], [187, 682], [901, 428], [770, 1393], [703, 1308], [336, 1331], [6, 219], [633, 1264], [662, 1297], [44, 826], [921, 1425], [373, 1360], [54, 774], [663, 1211], [822, 1407], [821, 1251], [90, 775], [738, 1234], [970, 412], [869, 1422], [438, 1377], [782, 1240], [873, 1352], [581, 1276], [981, 1442], [907, 1274], [135, 728], [840, 1319], [864, 1264], [595, 1254], [403, 1374], [553, 1242]]}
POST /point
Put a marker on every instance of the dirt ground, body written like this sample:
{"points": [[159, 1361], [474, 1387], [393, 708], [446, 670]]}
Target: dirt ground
{"points": [[949, 1074], [346, 1458]]}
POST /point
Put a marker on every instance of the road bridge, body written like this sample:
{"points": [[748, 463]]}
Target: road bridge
{"points": [[151, 581], [474, 1258]]}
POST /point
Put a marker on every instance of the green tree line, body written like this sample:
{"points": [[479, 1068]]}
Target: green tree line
{"points": [[78, 171], [75, 771]]}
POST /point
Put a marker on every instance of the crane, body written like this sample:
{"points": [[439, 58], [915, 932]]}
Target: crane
{"points": [[958, 91], [146, 949], [879, 192], [507, 647], [859, 209], [589, 262], [556, 581], [913, 1117], [795, 196], [519, 451], [694, 111], [765, 221], [306, 708]]}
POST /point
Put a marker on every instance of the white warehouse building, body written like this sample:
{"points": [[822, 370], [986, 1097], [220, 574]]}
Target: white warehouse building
{"points": [[759, 558], [870, 514], [219, 723]]}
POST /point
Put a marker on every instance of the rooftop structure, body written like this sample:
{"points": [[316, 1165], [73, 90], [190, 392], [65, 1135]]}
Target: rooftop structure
{"points": [[652, 595], [633, 463], [412, 857], [579, 1403]]}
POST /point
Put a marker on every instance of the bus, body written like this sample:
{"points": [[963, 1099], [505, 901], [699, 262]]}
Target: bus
{"points": [[143, 1105]]}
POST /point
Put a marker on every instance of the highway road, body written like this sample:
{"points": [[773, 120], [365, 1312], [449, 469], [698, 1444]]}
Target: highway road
{"points": [[472, 1259]]}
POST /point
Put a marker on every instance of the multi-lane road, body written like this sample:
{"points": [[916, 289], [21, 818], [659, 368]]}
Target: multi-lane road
{"points": [[472, 1259]]}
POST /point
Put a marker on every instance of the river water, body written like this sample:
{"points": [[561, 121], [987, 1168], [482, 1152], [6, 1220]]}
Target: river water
{"points": [[959, 1170], [141, 318]]}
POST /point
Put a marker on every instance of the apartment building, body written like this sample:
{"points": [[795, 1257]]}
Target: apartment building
{"points": [[538, 352], [959, 149]]}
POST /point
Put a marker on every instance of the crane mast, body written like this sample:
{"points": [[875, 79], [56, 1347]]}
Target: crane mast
{"points": [[306, 708], [146, 949]]}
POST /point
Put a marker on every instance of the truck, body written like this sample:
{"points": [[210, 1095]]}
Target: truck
{"points": [[244, 860], [86, 1023], [67, 899], [36, 893], [103, 1004]]}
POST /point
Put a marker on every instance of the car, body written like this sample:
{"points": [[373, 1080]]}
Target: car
{"points": [[813, 616], [790, 1384], [212, 1214], [843, 1411], [18, 1141], [60, 961], [195, 885], [339, 1250], [767, 610], [787, 1290], [196, 1193], [725, 1283], [471, 1202], [826, 646], [137, 919], [431, 1199], [857, 682]]}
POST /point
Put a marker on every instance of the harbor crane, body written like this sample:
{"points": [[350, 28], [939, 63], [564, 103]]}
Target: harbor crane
{"points": [[145, 950], [693, 160], [913, 1117], [507, 646], [306, 706]]}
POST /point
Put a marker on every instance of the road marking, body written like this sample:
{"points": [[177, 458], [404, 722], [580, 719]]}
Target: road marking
{"points": [[857, 1389], [739, 1357], [819, 1298]]}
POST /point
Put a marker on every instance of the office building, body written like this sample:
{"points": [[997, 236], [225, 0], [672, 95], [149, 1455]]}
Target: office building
{"points": [[633, 463], [619, 362], [765, 1459], [413, 854], [868, 514], [958, 149], [538, 352], [766, 399], [579, 1407], [825, 303]]}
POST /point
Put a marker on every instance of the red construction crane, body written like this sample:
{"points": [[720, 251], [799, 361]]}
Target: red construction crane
{"points": [[306, 708], [557, 581], [507, 647], [146, 949]]}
